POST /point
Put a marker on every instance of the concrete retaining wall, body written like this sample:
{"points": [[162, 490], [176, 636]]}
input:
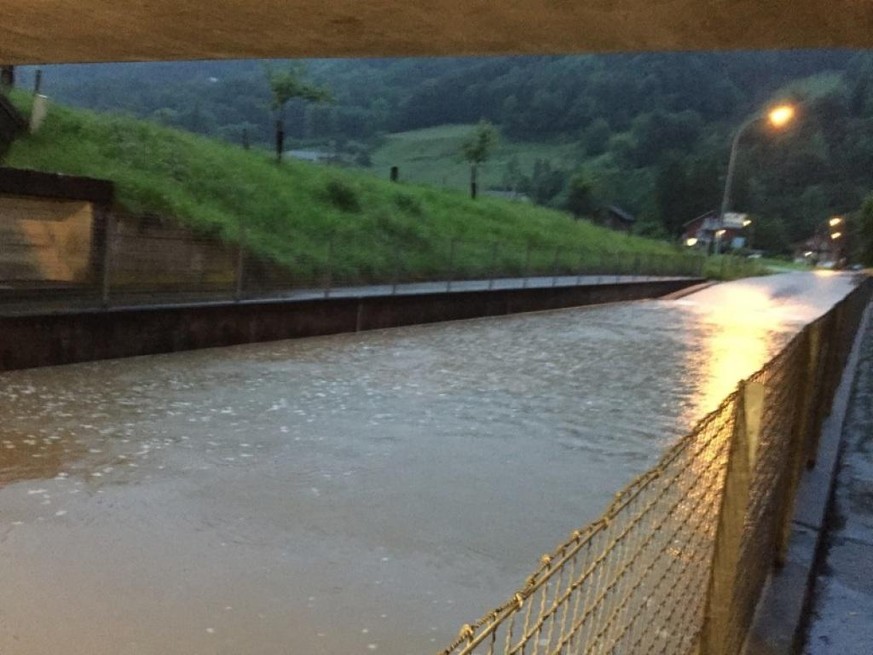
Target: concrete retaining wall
{"points": [[77, 336]]}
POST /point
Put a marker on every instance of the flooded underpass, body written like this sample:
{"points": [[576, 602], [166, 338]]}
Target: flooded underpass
{"points": [[347, 494]]}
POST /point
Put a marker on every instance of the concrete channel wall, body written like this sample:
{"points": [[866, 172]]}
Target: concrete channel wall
{"points": [[76, 336]]}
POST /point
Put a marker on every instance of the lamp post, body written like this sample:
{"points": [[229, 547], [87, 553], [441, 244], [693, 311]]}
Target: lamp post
{"points": [[837, 247], [749, 227], [778, 117]]}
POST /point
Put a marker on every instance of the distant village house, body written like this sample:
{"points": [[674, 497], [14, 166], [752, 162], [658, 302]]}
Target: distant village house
{"points": [[616, 218], [710, 232]]}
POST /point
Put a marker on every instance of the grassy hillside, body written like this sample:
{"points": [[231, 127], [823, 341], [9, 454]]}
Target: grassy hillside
{"points": [[431, 156], [291, 212]]}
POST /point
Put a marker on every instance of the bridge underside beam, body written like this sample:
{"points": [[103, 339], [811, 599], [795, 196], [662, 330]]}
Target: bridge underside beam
{"points": [[57, 31]]}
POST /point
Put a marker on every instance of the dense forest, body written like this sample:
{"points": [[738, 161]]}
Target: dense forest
{"points": [[650, 132]]}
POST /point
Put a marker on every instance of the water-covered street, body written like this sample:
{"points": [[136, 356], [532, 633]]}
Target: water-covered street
{"points": [[354, 493]]}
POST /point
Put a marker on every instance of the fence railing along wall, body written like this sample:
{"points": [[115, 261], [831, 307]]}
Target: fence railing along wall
{"points": [[678, 561], [141, 259]]}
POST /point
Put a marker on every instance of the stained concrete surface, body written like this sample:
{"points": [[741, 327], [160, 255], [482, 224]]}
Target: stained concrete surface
{"points": [[842, 608]]}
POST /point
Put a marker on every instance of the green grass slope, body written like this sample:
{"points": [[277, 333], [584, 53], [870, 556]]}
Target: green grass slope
{"points": [[431, 156], [290, 213]]}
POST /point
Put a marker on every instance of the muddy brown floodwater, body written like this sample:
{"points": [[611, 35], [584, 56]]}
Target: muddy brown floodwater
{"points": [[348, 494]]}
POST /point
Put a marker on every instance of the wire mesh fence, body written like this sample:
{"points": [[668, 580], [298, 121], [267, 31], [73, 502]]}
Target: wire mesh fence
{"points": [[678, 561], [76, 255]]}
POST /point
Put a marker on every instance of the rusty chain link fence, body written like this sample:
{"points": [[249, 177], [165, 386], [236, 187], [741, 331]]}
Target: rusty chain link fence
{"points": [[678, 561]]}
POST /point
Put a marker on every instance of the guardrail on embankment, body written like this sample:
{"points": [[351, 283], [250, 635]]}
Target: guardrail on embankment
{"points": [[678, 561], [70, 253]]}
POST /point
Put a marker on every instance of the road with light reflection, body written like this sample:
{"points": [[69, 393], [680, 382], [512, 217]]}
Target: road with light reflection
{"points": [[353, 493]]}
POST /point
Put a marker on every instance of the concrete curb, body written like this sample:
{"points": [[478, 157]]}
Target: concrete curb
{"points": [[782, 612], [688, 291], [28, 341]]}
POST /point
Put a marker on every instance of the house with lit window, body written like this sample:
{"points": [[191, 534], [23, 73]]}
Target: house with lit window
{"points": [[711, 232]]}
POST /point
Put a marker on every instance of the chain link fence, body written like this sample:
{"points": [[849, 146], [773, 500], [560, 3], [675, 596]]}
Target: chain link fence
{"points": [[678, 561], [70, 254]]}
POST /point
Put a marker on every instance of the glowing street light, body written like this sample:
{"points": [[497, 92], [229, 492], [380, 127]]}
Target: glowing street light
{"points": [[779, 116], [836, 235], [691, 241], [836, 220]]}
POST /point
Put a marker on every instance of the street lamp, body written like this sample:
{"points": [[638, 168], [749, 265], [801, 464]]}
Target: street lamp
{"points": [[749, 232], [718, 235], [779, 116]]}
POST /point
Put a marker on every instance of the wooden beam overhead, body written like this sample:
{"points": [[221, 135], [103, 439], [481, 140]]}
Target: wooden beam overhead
{"points": [[61, 31]]}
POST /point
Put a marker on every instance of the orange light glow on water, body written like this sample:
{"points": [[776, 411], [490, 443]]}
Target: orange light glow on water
{"points": [[746, 324], [737, 345]]}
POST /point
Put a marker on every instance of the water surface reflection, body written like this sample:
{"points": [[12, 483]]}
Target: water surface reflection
{"points": [[351, 493]]}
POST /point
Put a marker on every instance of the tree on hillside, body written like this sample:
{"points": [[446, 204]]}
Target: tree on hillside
{"points": [[580, 196], [513, 178], [285, 85], [477, 148], [595, 137], [545, 182]]}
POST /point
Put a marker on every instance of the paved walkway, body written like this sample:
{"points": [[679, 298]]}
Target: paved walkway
{"points": [[842, 609], [12, 303]]}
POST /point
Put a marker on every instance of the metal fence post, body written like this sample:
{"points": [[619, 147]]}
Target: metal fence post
{"points": [[803, 413], [106, 263], [824, 355], [838, 339], [742, 453], [526, 271], [328, 278], [451, 270], [396, 255], [240, 263], [494, 247], [555, 267]]}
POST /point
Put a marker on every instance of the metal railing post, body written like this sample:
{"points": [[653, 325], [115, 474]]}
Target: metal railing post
{"points": [[822, 364], [555, 267], [451, 270], [526, 271], [396, 256], [742, 453], [494, 247], [328, 278], [106, 263], [796, 457], [240, 263]]}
